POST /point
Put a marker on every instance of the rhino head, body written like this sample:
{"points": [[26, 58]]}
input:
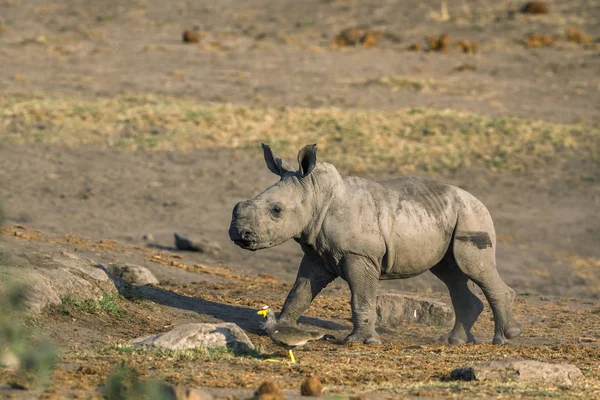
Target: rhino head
{"points": [[283, 211]]}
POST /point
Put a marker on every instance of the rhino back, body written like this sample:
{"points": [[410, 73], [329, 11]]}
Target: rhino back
{"points": [[425, 215], [404, 225]]}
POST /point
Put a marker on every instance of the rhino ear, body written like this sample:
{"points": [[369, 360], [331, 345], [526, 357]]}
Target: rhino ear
{"points": [[307, 159], [276, 164]]}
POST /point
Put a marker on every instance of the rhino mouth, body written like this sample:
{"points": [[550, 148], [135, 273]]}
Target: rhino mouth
{"points": [[244, 238]]}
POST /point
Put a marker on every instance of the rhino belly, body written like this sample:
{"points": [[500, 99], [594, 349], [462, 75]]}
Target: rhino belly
{"points": [[411, 255]]}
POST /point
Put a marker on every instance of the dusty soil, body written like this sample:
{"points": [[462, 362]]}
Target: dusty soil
{"points": [[410, 363], [276, 54]]}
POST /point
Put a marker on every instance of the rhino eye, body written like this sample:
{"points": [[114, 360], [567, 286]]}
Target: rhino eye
{"points": [[276, 210]]}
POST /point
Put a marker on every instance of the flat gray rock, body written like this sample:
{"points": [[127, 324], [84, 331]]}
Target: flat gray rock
{"points": [[395, 309], [197, 244], [133, 273], [190, 336], [48, 278], [525, 370]]}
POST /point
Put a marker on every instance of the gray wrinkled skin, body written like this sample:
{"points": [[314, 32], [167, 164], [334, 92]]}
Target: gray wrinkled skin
{"points": [[364, 231]]}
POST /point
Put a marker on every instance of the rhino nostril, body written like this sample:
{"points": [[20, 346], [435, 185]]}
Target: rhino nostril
{"points": [[246, 235]]}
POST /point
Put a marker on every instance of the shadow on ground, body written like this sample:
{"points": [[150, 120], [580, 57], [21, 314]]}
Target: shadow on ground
{"points": [[245, 318]]}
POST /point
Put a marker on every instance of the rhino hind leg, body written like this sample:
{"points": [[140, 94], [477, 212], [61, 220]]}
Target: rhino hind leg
{"points": [[467, 306], [474, 252]]}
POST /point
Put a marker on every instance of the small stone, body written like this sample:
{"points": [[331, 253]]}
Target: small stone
{"points": [[268, 390], [311, 387], [394, 309], [535, 7], [201, 245], [133, 273], [524, 370], [191, 336], [148, 237], [9, 360]]}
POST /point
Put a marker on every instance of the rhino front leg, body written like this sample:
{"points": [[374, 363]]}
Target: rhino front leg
{"points": [[362, 278], [311, 279]]}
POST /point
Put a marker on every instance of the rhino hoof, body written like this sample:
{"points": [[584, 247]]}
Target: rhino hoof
{"points": [[512, 332], [455, 340], [373, 340], [499, 339], [364, 338]]}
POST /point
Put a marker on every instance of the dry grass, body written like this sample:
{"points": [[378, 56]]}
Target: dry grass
{"points": [[355, 140]]}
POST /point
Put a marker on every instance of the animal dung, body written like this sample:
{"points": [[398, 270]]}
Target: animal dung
{"points": [[439, 43], [192, 35], [311, 387], [538, 40], [576, 36], [415, 46], [467, 46], [268, 390], [535, 7], [347, 37], [466, 67], [370, 39]]}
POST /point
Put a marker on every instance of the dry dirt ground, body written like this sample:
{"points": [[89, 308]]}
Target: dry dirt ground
{"points": [[81, 189]]}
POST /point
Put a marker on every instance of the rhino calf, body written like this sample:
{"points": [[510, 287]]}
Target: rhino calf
{"points": [[364, 231]]}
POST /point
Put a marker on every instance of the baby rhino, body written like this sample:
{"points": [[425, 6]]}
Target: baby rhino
{"points": [[364, 231]]}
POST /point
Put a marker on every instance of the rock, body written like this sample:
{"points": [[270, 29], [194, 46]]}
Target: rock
{"points": [[9, 360], [190, 336], [48, 278], [192, 35], [183, 393], [201, 245], [526, 370], [133, 273], [394, 309], [311, 387], [148, 237], [535, 7]]}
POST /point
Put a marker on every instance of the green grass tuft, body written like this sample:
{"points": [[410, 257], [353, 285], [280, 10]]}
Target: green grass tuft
{"points": [[107, 304]]}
